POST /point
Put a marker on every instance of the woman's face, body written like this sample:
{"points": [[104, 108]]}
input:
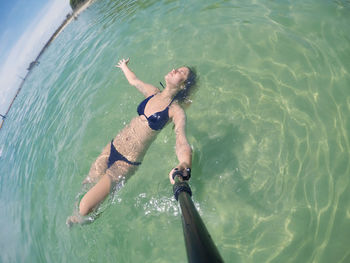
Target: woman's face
{"points": [[177, 76]]}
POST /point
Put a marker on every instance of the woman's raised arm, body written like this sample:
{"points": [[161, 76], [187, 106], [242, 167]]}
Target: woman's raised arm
{"points": [[146, 89]]}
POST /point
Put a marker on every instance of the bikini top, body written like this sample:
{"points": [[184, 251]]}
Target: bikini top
{"points": [[157, 120]]}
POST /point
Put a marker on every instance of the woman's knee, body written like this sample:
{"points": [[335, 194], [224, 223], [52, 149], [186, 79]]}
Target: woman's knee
{"points": [[84, 208]]}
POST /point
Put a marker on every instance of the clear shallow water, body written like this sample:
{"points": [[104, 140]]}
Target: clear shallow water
{"points": [[269, 127]]}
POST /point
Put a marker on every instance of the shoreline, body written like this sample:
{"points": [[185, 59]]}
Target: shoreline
{"points": [[58, 31], [66, 22], [69, 18]]}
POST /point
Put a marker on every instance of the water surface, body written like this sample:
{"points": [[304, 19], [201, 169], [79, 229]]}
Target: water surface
{"points": [[269, 128]]}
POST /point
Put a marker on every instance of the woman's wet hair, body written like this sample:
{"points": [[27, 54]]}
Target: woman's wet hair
{"points": [[189, 83], [191, 79]]}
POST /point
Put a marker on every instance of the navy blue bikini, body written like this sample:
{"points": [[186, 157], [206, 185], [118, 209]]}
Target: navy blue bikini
{"points": [[157, 120], [117, 156]]}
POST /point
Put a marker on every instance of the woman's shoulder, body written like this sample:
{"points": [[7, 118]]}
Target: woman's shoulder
{"points": [[176, 110], [148, 90]]}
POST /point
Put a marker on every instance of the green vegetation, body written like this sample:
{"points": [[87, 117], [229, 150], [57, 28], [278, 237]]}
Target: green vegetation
{"points": [[76, 3]]}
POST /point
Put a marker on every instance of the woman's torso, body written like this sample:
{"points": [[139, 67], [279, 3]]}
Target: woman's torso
{"points": [[135, 138]]}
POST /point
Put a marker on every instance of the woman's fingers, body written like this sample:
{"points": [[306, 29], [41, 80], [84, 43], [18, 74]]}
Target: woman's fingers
{"points": [[122, 62], [185, 171], [171, 175]]}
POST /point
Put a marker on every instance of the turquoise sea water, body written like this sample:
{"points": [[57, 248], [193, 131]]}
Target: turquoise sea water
{"points": [[269, 125]]}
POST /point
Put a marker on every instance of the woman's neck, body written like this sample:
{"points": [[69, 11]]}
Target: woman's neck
{"points": [[169, 93]]}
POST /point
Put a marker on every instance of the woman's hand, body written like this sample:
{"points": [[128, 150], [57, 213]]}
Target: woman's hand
{"points": [[184, 168], [123, 62], [146, 89]]}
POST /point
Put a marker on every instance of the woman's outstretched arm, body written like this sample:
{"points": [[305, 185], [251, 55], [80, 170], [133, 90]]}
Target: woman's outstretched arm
{"points": [[183, 148], [146, 89]]}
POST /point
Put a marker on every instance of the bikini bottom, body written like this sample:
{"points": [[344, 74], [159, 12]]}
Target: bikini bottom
{"points": [[117, 156]]}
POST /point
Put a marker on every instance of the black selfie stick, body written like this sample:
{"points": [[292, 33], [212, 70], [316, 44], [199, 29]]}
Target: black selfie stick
{"points": [[199, 244]]}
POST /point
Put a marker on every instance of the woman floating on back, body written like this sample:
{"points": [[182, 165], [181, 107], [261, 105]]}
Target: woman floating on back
{"points": [[121, 157]]}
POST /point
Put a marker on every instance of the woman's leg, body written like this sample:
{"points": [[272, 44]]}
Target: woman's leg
{"points": [[118, 171], [95, 195]]}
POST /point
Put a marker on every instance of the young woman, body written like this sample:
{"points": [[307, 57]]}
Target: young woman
{"points": [[121, 157]]}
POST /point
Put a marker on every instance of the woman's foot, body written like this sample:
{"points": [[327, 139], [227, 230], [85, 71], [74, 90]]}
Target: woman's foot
{"points": [[71, 220], [78, 219]]}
